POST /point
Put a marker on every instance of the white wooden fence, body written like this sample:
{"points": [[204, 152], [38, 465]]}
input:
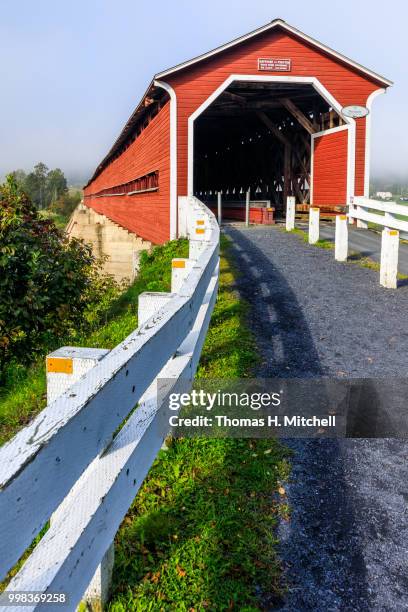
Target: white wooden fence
{"points": [[72, 442], [361, 209], [365, 210]]}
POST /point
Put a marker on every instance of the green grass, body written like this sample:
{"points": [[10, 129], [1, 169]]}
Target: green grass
{"points": [[59, 220], [200, 533], [322, 243], [25, 393]]}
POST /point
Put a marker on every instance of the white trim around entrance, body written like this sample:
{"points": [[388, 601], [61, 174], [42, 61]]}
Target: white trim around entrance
{"points": [[370, 100], [331, 100], [173, 156]]}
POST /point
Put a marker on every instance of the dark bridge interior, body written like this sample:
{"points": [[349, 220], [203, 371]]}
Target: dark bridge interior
{"points": [[257, 136]]}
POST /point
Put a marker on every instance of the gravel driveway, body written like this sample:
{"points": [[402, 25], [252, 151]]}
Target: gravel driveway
{"points": [[346, 545]]}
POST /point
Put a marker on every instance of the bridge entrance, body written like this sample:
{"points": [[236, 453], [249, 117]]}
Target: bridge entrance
{"points": [[261, 136]]}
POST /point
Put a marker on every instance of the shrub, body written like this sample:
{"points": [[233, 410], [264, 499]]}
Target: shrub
{"points": [[66, 203], [50, 286]]}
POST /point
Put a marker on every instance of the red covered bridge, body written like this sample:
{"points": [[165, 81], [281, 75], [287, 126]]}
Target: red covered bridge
{"points": [[264, 113]]}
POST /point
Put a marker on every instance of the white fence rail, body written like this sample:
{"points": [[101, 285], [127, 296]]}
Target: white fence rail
{"points": [[365, 210], [361, 209], [71, 442]]}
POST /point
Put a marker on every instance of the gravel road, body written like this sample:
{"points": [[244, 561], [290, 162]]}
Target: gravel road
{"points": [[346, 545], [366, 242]]}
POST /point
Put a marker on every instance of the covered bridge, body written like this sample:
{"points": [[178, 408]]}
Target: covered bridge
{"points": [[263, 112]]}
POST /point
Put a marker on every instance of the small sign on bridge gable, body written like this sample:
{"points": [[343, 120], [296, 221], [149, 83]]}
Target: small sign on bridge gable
{"points": [[274, 64]]}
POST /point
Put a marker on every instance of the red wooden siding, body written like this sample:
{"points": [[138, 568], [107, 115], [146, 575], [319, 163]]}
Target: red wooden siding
{"points": [[195, 84], [330, 169], [146, 214]]}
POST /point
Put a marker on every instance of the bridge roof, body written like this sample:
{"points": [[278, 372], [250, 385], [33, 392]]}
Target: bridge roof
{"points": [[278, 23]]}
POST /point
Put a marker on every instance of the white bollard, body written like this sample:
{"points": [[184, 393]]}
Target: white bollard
{"points": [[290, 213], [65, 367], [247, 198], [389, 258], [180, 269], [149, 303], [314, 217], [341, 238], [219, 208]]}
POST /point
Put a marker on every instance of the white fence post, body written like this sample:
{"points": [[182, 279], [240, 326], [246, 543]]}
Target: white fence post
{"points": [[183, 204], [64, 367], [149, 303], [247, 199], [389, 258], [196, 247], [314, 218], [290, 213], [341, 239], [180, 269], [219, 208]]}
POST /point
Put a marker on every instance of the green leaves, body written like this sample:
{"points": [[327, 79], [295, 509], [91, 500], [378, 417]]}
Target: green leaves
{"points": [[47, 282]]}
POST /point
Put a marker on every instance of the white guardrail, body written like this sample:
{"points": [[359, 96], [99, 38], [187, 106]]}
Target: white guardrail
{"points": [[68, 464], [361, 208]]}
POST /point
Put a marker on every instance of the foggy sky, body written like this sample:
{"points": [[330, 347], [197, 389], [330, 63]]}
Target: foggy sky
{"points": [[72, 71]]}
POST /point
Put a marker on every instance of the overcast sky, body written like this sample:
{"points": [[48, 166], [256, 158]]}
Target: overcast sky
{"points": [[72, 71]]}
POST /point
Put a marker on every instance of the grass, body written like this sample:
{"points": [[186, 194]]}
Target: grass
{"points": [[59, 220], [200, 533], [25, 393], [322, 243]]}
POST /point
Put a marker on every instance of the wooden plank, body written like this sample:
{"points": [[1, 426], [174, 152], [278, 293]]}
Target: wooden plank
{"points": [[272, 127], [297, 113], [390, 207], [86, 416]]}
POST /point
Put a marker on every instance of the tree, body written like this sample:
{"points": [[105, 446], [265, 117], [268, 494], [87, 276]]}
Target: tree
{"points": [[50, 286], [66, 203], [19, 177], [36, 185], [56, 185]]}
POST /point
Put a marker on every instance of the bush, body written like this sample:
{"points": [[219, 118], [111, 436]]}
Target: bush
{"points": [[66, 203], [50, 287]]}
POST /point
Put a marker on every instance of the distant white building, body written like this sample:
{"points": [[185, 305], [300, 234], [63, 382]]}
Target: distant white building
{"points": [[384, 195]]}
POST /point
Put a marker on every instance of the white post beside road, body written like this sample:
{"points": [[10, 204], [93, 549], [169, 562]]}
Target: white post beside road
{"points": [[248, 195], [64, 367], [180, 269], [389, 258], [219, 207], [314, 218], [290, 213], [341, 239]]}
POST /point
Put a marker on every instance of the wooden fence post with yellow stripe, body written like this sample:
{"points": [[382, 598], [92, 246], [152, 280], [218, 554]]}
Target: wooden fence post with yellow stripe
{"points": [[64, 367], [180, 269], [341, 238], [314, 221], [389, 258]]}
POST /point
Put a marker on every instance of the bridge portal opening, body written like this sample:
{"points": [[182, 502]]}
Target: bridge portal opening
{"points": [[257, 136]]}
